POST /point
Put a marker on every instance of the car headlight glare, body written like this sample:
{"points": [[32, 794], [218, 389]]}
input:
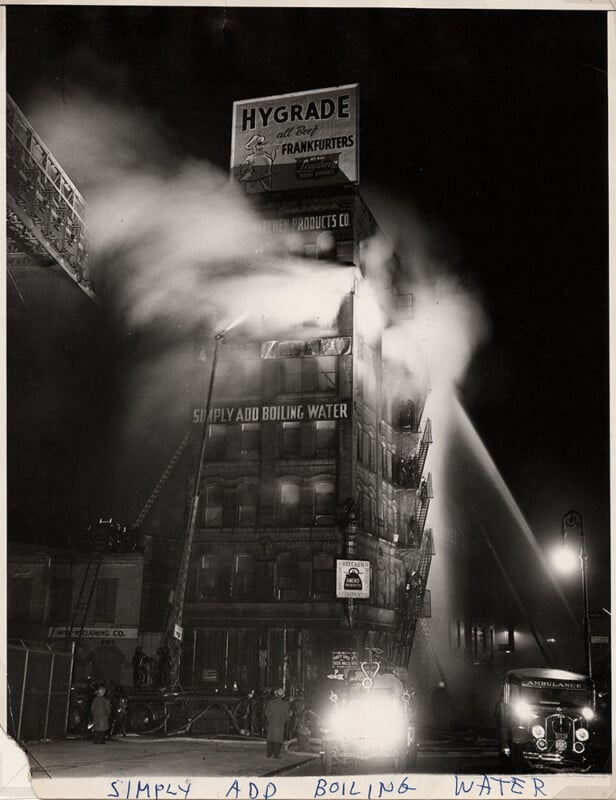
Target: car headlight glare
{"points": [[538, 731], [582, 734], [588, 713]]}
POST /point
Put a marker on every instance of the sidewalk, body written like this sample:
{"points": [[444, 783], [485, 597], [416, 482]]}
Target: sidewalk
{"points": [[141, 755]]}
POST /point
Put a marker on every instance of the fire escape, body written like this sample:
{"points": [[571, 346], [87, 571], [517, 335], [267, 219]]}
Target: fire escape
{"points": [[416, 544], [45, 211]]}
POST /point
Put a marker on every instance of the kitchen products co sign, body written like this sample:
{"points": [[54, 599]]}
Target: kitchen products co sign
{"points": [[296, 141]]}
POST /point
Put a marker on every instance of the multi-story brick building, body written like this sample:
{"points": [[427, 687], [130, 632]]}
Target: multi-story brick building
{"points": [[311, 456]]}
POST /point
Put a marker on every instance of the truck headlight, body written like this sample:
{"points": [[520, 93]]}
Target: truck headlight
{"points": [[582, 734], [523, 711], [587, 712], [538, 731]]}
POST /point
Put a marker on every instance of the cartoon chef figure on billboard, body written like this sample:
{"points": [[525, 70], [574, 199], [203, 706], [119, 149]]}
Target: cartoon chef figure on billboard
{"points": [[256, 169]]}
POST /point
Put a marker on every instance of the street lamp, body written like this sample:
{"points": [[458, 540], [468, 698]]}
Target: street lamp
{"points": [[566, 561]]}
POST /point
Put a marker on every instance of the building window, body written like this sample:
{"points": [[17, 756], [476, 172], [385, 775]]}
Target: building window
{"points": [[366, 511], [250, 440], [323, 581], [367, 454], [243, 578], [286, 577], [291, 439], [298, 375], [206, 578], [248, 505], [105, 600], [216, 442], [407, 415], [213, 507], [229, 508], [326, 439], [324, 503], [291, 375], [289, 504], [326, 374]]}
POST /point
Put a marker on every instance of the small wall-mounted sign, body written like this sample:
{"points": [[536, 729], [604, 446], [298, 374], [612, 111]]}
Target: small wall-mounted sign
{"points": [[352, 578]]}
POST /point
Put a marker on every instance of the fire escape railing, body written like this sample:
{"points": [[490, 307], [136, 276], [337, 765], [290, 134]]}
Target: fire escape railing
{"points": [[45, 211], [410, 606], [408, 471]]}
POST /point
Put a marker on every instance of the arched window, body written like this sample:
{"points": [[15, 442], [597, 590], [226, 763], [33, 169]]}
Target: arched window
{"points": [[243, 577], [247, 505], [213, 507], [289, 504], [287, 574], [324, 503]]}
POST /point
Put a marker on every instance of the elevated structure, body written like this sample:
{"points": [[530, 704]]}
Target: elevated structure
{"points": [[45, 212]]}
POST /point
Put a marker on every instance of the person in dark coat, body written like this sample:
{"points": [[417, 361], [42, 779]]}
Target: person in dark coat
{"points": [[246, 713], [276, 715], [138, 676], [101, 711]]}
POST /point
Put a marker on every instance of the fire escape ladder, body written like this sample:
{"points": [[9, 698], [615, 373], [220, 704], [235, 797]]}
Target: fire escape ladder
{"points": [[415, 591], [424, 446], [99, 543], [424, 495]]}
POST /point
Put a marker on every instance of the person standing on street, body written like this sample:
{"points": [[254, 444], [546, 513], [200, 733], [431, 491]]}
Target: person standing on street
{"points": [[138, 658], [276, 715], [101, 711]]}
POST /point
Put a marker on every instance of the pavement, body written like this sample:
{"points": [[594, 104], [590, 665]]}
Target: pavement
{"points": [[139, 755]]}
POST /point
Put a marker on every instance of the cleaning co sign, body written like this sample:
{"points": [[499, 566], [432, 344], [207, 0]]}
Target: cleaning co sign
{"points": [[296, 141]]}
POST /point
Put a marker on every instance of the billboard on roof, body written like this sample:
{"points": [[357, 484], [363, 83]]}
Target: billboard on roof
{"points": [[292, 141]]}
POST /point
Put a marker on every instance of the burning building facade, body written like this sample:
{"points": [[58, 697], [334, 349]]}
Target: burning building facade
{"points": [[312, 546]]}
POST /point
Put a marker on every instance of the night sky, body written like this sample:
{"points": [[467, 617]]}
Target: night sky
{"points": [[491, 125]]}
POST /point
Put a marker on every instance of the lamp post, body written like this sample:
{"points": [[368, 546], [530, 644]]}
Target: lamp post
{"points": [[573, 519]]}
